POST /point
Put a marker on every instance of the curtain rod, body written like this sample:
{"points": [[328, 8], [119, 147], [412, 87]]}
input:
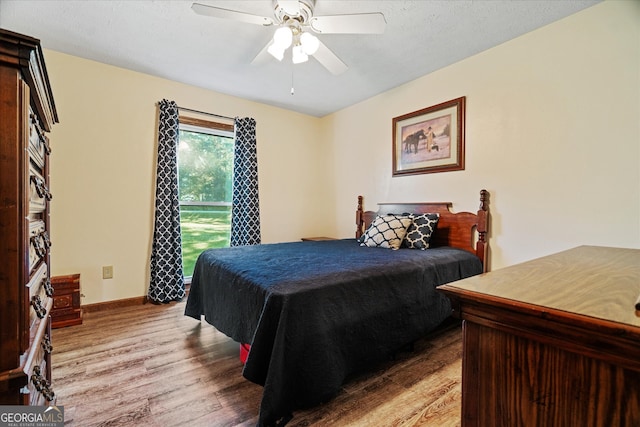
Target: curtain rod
{"points": [[205, 113]]}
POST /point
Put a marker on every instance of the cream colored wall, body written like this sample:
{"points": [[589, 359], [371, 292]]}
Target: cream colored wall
{"points": [[552, 131], [103, 170]]}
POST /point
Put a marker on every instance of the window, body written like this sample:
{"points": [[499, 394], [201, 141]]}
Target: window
{"points": [[205, 178]]}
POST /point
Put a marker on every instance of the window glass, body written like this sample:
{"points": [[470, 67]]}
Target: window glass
{"points": [[205, 177]]}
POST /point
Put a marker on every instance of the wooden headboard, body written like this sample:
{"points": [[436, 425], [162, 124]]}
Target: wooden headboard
{"points": [[463, 230]]}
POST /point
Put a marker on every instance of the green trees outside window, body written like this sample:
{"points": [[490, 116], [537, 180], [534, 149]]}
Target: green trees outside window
{"points": [[205, 177]]}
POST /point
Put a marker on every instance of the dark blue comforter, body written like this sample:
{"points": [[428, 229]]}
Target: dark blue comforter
{"points": [[315, 312]]}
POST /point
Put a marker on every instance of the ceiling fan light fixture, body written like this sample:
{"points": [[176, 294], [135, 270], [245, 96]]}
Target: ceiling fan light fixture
{"points": [[310, 43], [293, 18], [276, 51], [298, 56], [283, 37]]}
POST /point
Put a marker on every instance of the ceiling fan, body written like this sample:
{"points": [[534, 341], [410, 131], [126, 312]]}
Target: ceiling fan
{"points": [[294, 19]]}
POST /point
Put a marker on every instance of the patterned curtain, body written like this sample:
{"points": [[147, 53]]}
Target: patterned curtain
{"points": [[167, 280], [245, 213]]}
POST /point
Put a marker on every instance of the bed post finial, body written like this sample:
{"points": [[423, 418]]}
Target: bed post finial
{"points": [[484, 200], [482, 247], [359, 218]]}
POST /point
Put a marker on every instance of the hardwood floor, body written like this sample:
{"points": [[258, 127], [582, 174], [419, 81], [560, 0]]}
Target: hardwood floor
{"points": [[150, 365]]}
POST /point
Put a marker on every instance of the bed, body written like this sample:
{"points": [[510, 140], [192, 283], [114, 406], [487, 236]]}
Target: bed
{"points": [[315, 312]]}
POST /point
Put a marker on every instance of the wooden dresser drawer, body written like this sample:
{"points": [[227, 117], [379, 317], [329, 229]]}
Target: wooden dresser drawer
{"points": [[38, 192], [38, 244], [66, 309], [38, 142], [40, 291], [38, 366]]}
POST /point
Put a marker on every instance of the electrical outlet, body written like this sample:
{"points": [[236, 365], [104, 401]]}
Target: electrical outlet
{"points": [[107, 272]]}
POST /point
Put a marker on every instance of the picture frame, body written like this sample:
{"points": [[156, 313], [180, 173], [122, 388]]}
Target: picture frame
{"points": [[429, 140]]}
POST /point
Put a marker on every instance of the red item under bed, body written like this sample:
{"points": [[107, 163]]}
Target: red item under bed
{"points": [[244, 352]]}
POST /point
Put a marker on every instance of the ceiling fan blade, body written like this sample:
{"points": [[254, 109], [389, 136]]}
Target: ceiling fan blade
{"points": [[364, 23], [263, 56], [329, 60], [216, 12]]}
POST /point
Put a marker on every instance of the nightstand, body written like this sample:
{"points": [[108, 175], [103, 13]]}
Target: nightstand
{"points": [[66, 309]]}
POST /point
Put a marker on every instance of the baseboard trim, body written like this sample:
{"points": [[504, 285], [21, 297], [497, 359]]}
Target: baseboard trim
{"points": [[120, 303], [110, 305]]}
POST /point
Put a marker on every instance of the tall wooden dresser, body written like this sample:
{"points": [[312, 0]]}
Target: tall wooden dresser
{"points": [[27, 113]]}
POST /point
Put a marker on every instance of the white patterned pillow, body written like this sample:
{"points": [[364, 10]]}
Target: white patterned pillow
{"points": [[420, 231], [386, 231]]}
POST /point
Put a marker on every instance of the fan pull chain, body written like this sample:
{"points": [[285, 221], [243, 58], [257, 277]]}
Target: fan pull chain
{"points": [[292, 89]]}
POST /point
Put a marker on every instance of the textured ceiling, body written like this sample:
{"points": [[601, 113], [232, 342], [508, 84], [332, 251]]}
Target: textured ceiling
{"points": [[167, 39]]}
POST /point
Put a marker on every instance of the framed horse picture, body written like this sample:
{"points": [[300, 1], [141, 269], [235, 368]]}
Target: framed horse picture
{"points": [[429, 140]]}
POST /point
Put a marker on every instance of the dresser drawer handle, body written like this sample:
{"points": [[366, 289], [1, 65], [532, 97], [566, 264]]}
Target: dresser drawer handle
{"points": [[36, 302], [41, 384], [47, 148], [48, 287], [41, 251], [34, 120], [46, 344], [39, 184], [37, 379], [41, 187], [45, 239], [48, 394]]}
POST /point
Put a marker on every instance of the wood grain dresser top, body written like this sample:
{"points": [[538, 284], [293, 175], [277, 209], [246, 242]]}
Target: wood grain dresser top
{"points": [[594, 281]]}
